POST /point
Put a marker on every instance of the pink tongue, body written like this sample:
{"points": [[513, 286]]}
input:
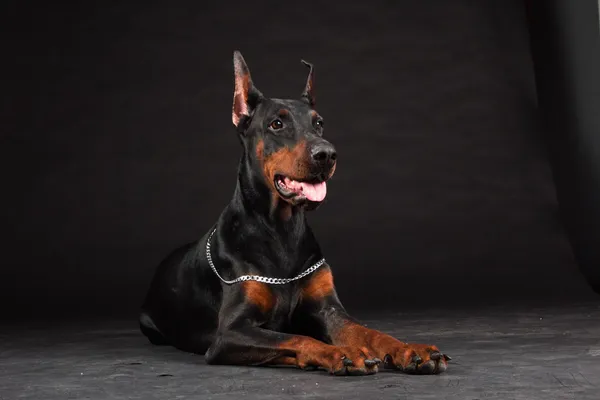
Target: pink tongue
{"points": [[314, 191]]}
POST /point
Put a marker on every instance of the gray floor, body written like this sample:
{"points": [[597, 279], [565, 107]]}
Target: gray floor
{"points": [[500, 353]]}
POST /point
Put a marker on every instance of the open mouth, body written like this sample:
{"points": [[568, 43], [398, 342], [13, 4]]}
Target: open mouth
{"points": [[290, 188]]}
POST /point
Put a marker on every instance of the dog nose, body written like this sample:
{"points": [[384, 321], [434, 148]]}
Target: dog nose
{"points": [[324, 153]]}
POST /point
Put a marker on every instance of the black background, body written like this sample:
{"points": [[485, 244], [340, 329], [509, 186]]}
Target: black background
{"points": [[117, 146]]}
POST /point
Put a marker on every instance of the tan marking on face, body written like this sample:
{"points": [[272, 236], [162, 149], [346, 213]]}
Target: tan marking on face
{"points": [[332, 170], [260, 148], [291, 163]]}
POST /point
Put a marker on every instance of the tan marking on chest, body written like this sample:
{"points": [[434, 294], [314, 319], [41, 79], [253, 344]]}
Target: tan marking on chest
{"points": [[259, 294], [319, 286]]}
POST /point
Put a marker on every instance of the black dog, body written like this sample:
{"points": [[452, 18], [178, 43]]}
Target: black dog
{"points": [[255, 290]]}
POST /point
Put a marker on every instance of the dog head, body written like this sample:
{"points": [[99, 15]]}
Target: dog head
{"points": [[285, 137]]}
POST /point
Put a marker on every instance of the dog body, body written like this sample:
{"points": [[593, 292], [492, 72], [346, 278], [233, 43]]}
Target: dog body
{"points": [[283, 309]]}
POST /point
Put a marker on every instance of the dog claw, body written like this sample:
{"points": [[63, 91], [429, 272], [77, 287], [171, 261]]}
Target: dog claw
{"points": [[347, 362], [387, 361], [436, 355], [377, 360], [370, 363], [447, 357]]}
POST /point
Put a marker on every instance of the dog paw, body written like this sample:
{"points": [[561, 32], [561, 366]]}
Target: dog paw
{"points": [[417, 359], [340, 361], [354, 361]]}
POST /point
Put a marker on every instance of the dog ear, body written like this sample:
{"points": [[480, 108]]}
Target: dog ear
{"points": [[309, 91], [245, 95]]}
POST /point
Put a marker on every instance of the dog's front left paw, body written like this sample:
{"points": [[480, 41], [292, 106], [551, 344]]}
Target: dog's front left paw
{"points": [[417, 359]]}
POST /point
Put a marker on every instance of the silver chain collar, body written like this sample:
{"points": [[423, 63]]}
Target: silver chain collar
{"points": [[258, 278]]}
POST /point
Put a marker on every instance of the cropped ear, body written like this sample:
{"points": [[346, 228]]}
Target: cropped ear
{"points": [[245, 96], [309, 92]]}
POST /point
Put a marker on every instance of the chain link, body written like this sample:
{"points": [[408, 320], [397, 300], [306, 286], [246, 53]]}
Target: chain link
{"points": [[258, 278]]}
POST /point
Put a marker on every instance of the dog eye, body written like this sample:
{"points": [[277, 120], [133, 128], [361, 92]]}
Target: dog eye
{"points": [[276, 125], [319, 123]]}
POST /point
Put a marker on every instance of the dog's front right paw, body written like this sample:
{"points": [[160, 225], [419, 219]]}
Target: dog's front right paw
{"points": [[342, 361], [355, 361]]}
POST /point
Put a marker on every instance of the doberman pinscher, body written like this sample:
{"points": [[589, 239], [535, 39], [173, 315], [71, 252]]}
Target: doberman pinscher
{"points": [[256, 290]]}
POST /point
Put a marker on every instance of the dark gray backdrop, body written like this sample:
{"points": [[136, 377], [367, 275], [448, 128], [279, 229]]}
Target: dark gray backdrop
{"points": [[566, 51], [117, 145]]}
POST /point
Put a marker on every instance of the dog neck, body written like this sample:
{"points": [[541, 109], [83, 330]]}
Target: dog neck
{"points": [[254, 213], [258, 199]]}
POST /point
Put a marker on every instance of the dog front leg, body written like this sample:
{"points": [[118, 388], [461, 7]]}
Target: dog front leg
{"points": [[250, 345], [407, 357], [320, 297]]}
